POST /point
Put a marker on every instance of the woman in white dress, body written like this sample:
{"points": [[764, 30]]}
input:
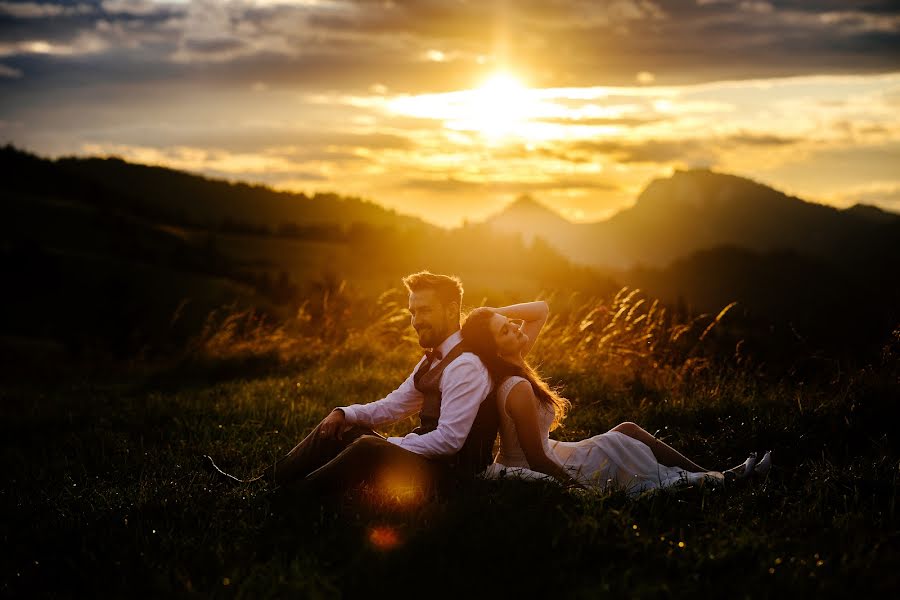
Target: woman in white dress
{"points": [[626, 457]]}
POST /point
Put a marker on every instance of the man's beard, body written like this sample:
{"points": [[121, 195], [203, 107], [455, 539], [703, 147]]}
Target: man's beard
{"points": [[428, 337]]}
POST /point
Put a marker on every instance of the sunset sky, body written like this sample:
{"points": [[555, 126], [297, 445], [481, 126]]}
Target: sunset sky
{"points": [[448, 110]]}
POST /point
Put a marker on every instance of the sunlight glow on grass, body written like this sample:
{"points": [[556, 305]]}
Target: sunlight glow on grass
{"points": [[384, 537], [401, 487]]}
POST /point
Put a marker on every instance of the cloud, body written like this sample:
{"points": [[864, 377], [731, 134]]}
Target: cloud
{"points": [[10, 72], [271, 165], [85, 43], [567, 42], [321, 144], [453, 185], [764, 139], [603, 121], [143, 8], [214, 45], [651, 151], [697, 151], [34, 10], [270, 89]]}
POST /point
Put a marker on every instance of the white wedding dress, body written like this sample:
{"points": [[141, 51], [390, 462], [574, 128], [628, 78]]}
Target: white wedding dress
{"points": [[609, 460]]}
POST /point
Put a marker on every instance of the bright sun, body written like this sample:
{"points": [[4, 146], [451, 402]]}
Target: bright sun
{"points": [[499, 106], [499, 109]]}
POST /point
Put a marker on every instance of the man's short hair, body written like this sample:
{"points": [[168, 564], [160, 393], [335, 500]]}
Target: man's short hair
{"points": [[447, 287]]}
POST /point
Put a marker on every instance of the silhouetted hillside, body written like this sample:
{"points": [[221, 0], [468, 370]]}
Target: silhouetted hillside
{"points": [[175, 197], [100, 256], [817, 302], [104, 257], [700, 209], [801, 272], [531, 219], [871, 213]]}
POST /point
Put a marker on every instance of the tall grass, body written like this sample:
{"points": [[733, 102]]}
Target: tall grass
{"points": [[618, 338], [629, 335], [105, 495], [333, 324]]}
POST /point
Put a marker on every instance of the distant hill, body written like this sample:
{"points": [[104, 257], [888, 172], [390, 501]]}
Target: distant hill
{"points": [[823, 303], [531, 219], [701, 209], [700, 240], [100, 256], [176, 197]]}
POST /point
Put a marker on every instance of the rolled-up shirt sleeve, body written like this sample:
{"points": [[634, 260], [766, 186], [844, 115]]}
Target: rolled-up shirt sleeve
{"points": [[465, 383], [403, 402]]}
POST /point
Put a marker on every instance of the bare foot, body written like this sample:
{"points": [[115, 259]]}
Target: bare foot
{"points": [[764, 464], [743, 470]]}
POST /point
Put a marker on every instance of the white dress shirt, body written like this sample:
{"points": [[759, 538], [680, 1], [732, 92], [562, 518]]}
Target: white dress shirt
{"points": [[465, 382]]}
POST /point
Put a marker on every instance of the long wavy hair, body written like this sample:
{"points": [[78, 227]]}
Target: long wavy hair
{"points": [[478, 338]]}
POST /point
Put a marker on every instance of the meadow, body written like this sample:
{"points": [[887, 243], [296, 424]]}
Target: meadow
{"points": [[105, 492]]}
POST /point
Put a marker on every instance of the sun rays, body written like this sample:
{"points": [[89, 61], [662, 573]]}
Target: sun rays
{"points": [[500, 109]]}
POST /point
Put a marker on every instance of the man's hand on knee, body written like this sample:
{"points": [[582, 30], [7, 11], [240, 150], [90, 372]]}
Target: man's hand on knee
{"points": [[334, 425]]}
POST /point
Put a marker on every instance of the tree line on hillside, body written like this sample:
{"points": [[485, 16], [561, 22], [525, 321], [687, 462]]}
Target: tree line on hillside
{"points": [[97, 273], [165, 195], [827, 276]]}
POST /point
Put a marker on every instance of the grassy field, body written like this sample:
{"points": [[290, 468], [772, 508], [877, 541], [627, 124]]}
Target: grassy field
{"points": [[104, 494]]}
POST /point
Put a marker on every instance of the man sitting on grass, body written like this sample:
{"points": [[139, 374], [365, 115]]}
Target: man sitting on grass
{"points": [[449, 388]]}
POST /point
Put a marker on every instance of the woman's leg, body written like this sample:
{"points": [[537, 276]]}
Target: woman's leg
{"points": [[664, 453]]}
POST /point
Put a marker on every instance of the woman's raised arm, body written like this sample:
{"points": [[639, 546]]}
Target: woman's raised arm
{"points": [[534, 315]]}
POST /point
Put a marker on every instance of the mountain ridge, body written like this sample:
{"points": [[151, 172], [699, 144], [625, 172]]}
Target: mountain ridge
{"points": [[186, 198], [696, 209], [526, 202]]}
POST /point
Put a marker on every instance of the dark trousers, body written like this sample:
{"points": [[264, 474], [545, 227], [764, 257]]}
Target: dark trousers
{"points": [[361, 456]]}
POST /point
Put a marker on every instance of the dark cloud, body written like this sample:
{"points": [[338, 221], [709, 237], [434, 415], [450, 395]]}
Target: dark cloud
{"points": [[128, 71], [823, 6], [64, 22], [273, 179], [60, 28], [604, 121], [214, 45], [42, 10], [443, 185], [309, 145], [649, 151], [292, 141], [566, 42], [694, 151], [717, 41], [452, 185], [754, 139]]}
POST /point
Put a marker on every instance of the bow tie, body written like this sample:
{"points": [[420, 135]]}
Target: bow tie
{"points": [[431, 356]]}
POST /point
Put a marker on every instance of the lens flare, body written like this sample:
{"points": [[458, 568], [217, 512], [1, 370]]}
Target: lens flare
{"points": [[384, 537], [402, 486]]}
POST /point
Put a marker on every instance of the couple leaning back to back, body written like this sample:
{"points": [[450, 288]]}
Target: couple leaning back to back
{"points": [[473, 382]]}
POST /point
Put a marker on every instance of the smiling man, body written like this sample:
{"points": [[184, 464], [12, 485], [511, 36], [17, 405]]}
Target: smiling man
{"points": [[448, 389]]}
